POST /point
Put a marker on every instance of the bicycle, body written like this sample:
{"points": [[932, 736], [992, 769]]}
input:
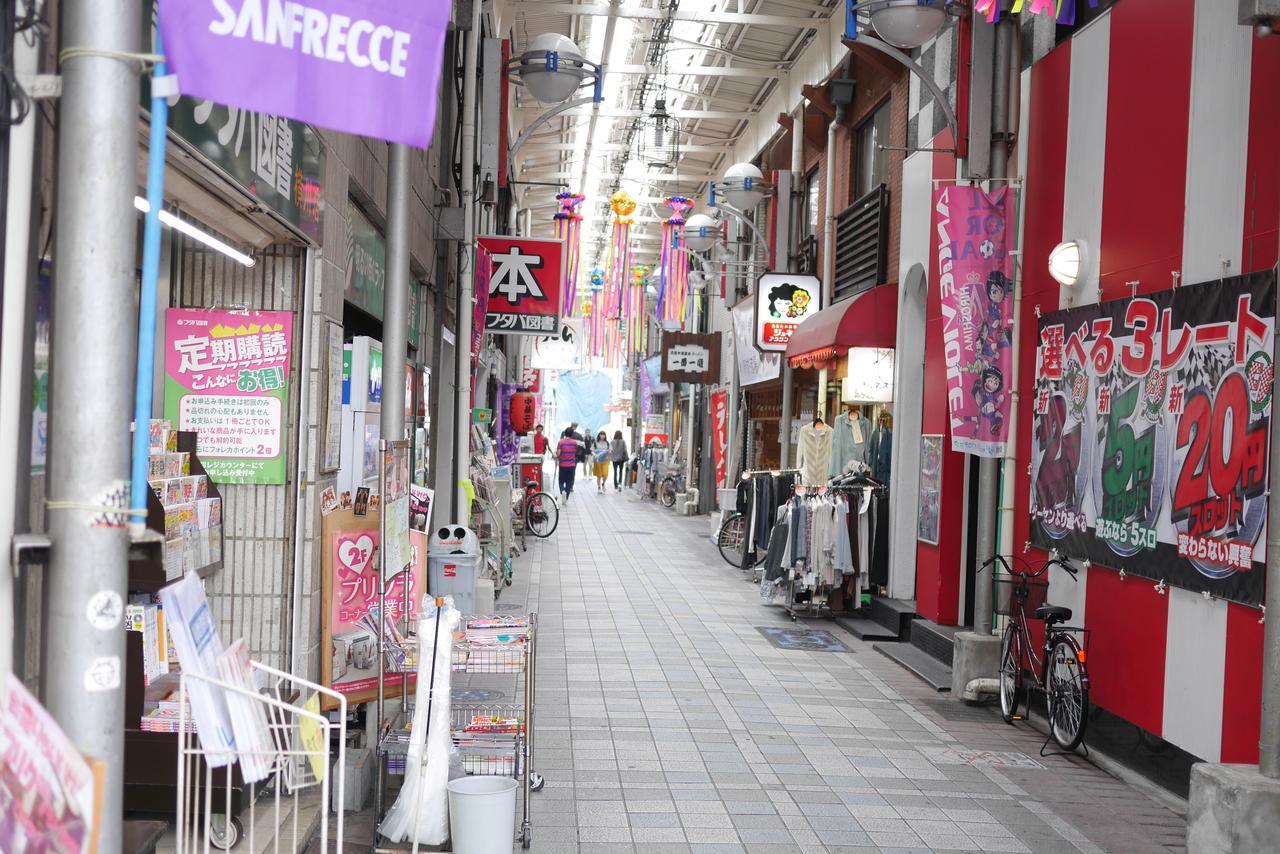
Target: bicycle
{"points": [[731, 540], [1062, 675], [668, 487], [537, 509]]}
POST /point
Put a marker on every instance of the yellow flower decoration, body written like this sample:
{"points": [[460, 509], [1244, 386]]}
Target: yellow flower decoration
{"points": [[623, 205]]}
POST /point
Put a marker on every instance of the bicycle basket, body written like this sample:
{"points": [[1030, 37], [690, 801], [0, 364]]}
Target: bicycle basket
{"points": [[1003, 594]]}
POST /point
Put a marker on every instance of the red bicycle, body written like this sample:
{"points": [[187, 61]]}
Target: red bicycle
{"points": [[1061, 675]]}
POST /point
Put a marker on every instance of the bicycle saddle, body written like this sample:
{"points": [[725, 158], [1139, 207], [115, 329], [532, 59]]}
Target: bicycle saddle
{"points": [[1053, 613]]}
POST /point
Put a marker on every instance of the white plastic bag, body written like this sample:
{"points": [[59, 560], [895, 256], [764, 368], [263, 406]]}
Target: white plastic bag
{"points": [[421, 812]]}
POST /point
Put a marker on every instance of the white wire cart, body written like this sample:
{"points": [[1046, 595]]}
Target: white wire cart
{"points": [[494, 738], [294, 751]]}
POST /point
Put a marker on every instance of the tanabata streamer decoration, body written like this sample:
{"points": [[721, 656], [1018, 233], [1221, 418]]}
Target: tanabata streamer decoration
{"points": [[636, 319], [593, 312], [568, 229], [618, 265], [673, 266]]}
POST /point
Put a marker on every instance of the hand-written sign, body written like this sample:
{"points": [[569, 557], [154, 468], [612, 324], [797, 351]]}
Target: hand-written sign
{"points": [[691, 358]]}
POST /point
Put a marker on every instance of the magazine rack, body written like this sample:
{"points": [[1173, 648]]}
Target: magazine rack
{"points": [[296, 749]]}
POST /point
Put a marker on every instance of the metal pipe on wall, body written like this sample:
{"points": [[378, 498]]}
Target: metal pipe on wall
{"points": [[989, 468], [15, 356], [91, 398], [1269, 735], [466, 269], [305, 472], [395, 320], [793, 265]]}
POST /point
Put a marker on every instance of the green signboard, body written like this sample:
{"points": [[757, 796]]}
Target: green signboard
{"points": [[367, 271], [279, 161]]}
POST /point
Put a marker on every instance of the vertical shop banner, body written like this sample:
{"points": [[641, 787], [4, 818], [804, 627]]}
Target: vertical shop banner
{"points": [[506, 446], [524, 285], [1151, 434], [227, 380], [720, 434], [975, 278], [927, 524], [365, 67]]}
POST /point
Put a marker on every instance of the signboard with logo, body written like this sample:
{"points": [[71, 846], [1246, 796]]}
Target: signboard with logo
{"points": [[523, 286], [1151, 434], [227, 380], [367, 271], [783, 301], [689, 357], [870, 378], [720, 434], [562, 352], [370, 69]]}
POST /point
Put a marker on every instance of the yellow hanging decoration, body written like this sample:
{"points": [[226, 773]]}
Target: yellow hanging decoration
{"points": [[623, 205]]}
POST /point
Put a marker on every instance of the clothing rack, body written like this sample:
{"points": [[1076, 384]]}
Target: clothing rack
{"points": [[754, 526]]}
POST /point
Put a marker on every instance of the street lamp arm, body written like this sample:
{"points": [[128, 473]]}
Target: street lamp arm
{"points": [[543, 119], [757, 237], [926, 79]]}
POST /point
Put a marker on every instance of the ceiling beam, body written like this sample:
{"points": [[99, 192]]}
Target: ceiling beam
{"points": [[667, 177], [638, 13], [693, 148], [619, 113], [744, 71]]}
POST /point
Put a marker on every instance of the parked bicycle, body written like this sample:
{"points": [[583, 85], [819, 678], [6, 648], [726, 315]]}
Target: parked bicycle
{"points": [[669, 486], [536, 509], [732, 540], [1061, 675]]}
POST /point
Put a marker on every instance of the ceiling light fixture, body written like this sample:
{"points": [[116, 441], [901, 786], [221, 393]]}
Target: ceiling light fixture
{"points": [[196, 234]]}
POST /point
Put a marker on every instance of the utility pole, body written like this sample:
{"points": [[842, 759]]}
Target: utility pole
{"points": [[395, 310], [466, 267], [91, 387]]}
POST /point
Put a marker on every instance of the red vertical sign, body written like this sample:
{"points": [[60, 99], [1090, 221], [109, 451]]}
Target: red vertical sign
{"points": [[720, 434]]}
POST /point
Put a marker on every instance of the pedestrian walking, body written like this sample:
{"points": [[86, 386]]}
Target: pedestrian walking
{"points": [[618, 456], [600, 460], [567, 451], [540, 441]]}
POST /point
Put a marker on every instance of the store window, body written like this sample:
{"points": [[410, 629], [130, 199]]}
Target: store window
{"points": [[870, 166], [811, 204]]}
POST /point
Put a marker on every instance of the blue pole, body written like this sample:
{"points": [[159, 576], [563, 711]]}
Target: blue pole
{"points": [[147, 301]]}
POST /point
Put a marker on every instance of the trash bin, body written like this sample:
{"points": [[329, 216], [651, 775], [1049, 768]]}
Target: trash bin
{"points": [[482, 814], [453, 562]]}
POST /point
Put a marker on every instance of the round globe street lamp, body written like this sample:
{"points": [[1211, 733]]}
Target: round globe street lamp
{"points": [[553, 69], [906, 23], [1068, 261], [743, 186], [701, 232]]}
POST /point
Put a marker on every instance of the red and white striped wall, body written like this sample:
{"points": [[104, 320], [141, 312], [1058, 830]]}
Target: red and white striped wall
{"points": [[1153, 135]]}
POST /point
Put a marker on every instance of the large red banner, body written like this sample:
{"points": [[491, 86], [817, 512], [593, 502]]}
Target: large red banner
{"points": [[720, 434]]}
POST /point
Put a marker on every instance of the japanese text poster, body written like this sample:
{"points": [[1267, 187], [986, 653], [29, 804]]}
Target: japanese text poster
{"points": [[720, 434], [1151, 434], [227, 380], [523, 286], [975, 281]]}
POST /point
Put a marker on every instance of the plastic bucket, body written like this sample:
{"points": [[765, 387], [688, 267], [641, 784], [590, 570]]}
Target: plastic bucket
{"points": [[482, 814]]}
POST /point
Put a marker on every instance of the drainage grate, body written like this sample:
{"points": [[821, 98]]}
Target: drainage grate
{"points": [[809, 640], [511, 606], [958, 712], [473, 695], [638, 533]]}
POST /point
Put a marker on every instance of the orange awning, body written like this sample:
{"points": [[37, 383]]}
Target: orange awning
{"points": [[868, 320]]}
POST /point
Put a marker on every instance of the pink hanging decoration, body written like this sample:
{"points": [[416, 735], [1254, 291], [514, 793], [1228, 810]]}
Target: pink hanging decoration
{"points": [[636, 319], [568, 228], [990, 8], [617, 266], [673, 266]]}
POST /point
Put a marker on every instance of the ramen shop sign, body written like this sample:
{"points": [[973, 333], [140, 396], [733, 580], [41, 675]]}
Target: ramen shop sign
{"points": [[783, 302]]}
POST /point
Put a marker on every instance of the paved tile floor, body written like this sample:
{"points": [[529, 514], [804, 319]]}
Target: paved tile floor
{"points": [[666, 721]]}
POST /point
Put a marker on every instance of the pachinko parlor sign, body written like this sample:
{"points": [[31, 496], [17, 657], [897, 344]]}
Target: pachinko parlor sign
{"points": [[1152, 431], [227, 380]]}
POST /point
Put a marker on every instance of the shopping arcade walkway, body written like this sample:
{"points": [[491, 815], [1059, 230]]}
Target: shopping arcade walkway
{"points": [[666, 721]]}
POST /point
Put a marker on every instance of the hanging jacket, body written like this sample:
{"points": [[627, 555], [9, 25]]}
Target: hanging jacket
{"points": [[813, 454], [851, 443], [880, 454]]}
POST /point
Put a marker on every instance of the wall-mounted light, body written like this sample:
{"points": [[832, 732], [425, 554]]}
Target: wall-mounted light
{"points": [[196, 234], [1067, 262], [743, 186], [552, 68], [905, 23], [701, 232]]}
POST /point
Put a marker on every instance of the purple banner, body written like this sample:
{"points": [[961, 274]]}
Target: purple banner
{"points": [[975, 279], [506, 442], [367, 67]]}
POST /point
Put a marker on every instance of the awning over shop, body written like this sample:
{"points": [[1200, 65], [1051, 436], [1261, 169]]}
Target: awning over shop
{"points": [[868, 320]]}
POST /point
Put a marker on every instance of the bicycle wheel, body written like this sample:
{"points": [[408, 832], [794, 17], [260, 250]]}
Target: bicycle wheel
{"points": [[541, 515], [667, 492], [733, 533], [1067, 690], [1012, 692]]}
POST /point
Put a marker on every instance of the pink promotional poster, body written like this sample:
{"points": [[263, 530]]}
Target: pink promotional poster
{"points": [[227, 379], [975, 279]]}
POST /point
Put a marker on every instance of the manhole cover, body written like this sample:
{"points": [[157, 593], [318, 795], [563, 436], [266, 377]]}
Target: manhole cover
{"points": [[796, 637], [475, 695], [993, 758]]}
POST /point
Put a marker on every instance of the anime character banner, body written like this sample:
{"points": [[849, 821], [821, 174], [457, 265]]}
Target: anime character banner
{"points": [[975, 278], [1151, 434]]}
